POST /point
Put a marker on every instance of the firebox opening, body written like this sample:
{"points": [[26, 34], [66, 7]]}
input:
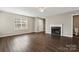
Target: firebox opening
{"points": [[56, 31]]}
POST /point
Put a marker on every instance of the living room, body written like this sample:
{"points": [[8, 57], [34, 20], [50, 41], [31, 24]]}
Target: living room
{"points": [[39, 29], [39, 24]]}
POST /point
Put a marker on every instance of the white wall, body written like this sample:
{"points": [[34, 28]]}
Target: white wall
{"points": [[39, 26], [7, 27], [64, 19], [31, 24]]}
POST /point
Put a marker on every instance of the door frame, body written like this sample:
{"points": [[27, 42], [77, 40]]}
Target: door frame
{"points": [[73, 23]]}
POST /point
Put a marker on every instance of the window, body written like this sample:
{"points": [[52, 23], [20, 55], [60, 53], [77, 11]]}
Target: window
{"points": [[21, 23]]}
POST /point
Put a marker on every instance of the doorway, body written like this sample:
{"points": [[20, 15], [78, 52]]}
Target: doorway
{"points": [[76, 26]]}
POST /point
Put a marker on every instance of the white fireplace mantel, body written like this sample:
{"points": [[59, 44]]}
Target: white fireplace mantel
{"points": [[57, 25]]}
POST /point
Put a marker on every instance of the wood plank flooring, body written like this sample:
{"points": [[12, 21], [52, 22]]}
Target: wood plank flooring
{"points": [[38, 42]]}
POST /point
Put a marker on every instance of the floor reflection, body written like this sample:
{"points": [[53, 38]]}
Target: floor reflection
{"points": [[38, 42], [20, 43]]}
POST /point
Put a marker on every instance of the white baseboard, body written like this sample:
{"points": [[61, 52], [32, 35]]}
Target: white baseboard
{"points": [[68, 35], [5, 35], [11, 34], [62, 35]]}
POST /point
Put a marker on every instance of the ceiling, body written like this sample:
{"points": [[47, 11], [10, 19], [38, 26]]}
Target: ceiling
{"points": [[35, 12]]}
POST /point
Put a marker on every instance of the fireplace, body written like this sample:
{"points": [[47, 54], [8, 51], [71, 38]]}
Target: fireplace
{"points": [[56, 31]]}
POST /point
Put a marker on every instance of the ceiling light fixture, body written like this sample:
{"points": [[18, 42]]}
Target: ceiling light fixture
{"points": [[42, 9]]}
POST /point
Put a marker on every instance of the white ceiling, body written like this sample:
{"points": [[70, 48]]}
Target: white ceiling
{"points": [[35, 12]]}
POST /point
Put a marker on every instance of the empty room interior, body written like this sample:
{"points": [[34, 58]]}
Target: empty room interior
{"points": [[39, 29]]}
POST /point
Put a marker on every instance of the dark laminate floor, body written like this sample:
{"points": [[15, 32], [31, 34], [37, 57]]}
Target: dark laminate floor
{"points": [[39, 42]]}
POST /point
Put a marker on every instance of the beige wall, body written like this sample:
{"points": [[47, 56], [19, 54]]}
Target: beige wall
{"points": [[64, 19]]}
